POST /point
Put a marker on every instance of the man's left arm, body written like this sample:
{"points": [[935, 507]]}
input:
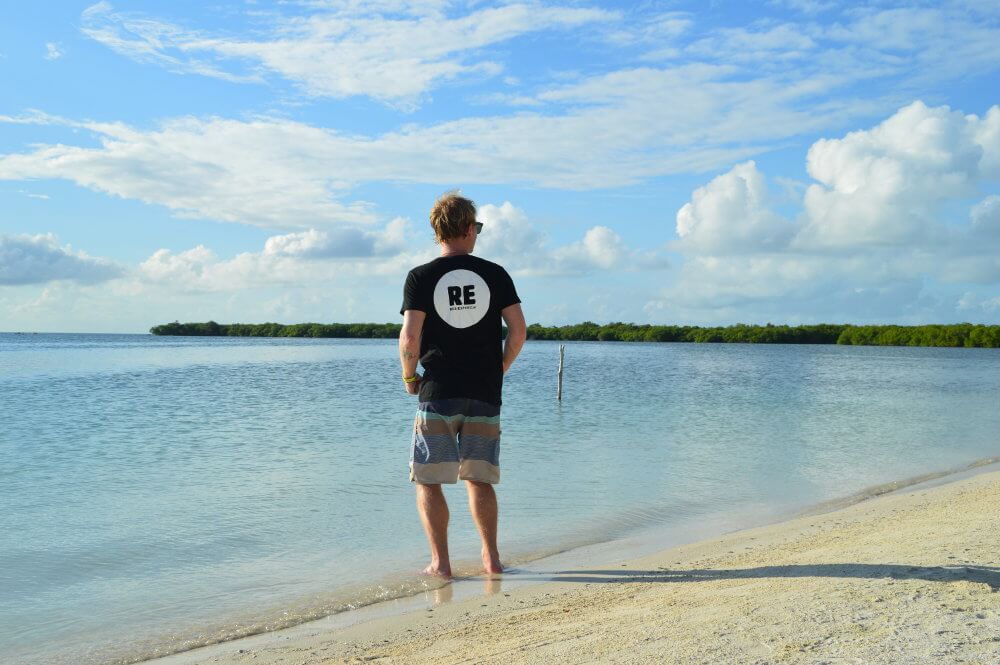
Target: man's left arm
{"points": [[409, 348], [517, 332]]}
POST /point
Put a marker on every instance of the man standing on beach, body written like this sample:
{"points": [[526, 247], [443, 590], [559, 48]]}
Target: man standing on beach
{"points": [[452, 308]]}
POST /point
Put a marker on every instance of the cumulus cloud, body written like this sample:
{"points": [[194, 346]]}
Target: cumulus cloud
{"points": [[37, 259], [507, 232], [346, 242], [882, 187], [732, 214], [510, 238], [600, 248], [876, 224], [886, 185], [341, 257], [201, 270], [389, 51], [182, 268]]}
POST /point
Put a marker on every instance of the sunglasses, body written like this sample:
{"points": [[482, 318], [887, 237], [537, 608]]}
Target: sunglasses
{"points": [[479, 227]]}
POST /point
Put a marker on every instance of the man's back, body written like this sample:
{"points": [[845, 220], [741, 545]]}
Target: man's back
{"points": [[461, 347]]}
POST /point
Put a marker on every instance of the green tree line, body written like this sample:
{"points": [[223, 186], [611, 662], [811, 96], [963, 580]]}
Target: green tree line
{"points": [[342, 330], [959, 334]]}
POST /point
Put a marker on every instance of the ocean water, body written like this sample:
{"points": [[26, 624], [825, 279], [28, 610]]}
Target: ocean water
{"points": [[161, 493]]}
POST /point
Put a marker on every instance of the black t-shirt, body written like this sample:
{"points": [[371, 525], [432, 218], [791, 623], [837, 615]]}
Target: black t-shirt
{"points": [[461, 348]]}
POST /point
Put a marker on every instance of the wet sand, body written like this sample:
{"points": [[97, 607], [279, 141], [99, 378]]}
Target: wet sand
{"points": [[909, 577]]}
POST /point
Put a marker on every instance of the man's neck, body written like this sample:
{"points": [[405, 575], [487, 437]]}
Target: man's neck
{"points": [[453, 250]]}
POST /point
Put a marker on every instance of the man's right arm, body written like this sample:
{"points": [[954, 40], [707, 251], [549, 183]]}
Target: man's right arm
{"points": [[517, 332]]}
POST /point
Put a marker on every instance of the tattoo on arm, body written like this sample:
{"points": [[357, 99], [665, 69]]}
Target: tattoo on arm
{"points": [[408, 355]]}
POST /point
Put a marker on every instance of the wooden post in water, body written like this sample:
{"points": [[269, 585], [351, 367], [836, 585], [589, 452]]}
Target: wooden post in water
{"points": [[562, 350]]}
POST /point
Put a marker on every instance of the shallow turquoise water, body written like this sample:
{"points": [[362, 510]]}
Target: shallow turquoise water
{"points": [[161, 492]]}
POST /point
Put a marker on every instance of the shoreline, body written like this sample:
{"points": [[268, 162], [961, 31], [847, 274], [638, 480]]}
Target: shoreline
{"points": [[353, 633]]}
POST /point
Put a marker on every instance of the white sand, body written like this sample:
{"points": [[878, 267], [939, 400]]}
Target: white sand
{"points": [[904, 578]]}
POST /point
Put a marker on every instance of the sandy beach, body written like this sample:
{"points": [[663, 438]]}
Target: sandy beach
{"points": [[908, 577]]}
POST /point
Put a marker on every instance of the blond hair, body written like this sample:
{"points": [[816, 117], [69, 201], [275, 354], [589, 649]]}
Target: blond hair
{"points": [[451, 216]]}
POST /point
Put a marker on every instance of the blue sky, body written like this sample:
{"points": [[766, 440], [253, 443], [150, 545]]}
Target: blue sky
{"points": [[678, 162]]}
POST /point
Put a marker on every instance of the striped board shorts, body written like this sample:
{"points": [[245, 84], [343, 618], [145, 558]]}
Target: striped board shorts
{"points": [[456, 439]]}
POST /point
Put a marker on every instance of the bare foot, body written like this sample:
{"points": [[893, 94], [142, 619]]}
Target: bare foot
{"points": [[444, 572], [491, 562]]}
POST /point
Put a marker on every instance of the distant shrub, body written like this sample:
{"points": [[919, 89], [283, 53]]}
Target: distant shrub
{"points": [[953, 335]]}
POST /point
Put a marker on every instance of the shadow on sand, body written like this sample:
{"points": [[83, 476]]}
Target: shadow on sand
{"points": [[973, 573]]}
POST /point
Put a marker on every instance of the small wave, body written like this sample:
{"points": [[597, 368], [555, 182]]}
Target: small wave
{"points": [[894, 486]]}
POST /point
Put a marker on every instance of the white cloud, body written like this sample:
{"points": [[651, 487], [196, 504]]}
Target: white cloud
{"points": [[618, 129], [875, 55], [934, 43], [33, 117], [278, 173], [295, 261], [987, 134], [53, 51], [660, 32], [732, 215], [343, 257], [511, 239], [507, 233], [345, 242], [873, 230], [37, 259], [601, 130], [886, 185], [201, 270], [786, 41], [397, 52], [183, 268], [600, 248], [391, 52], [269, 173], [151, 41]]}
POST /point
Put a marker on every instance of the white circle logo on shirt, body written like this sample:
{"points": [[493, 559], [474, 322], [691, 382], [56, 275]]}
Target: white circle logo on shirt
{"points": [[461, 298]]}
